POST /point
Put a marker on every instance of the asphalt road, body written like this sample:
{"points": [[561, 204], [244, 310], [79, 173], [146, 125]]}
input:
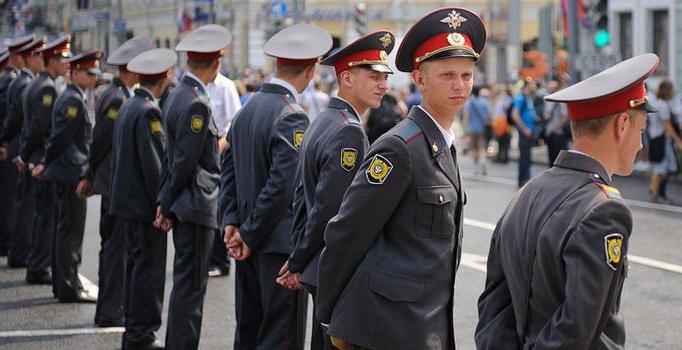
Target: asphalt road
{"points": [[31, 319]]}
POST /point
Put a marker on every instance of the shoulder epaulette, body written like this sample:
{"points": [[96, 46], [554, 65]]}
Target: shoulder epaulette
{"points": [[292, 104], [349, 119], [609, 191], [408, 131]]}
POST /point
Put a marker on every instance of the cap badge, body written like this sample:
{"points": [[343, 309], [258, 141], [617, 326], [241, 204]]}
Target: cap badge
{"points": [[454, 20], [456, 39], [383, 56], [386, 40]]}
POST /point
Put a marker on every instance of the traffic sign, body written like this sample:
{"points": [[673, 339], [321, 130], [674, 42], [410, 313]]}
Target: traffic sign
{"points": [[119, 26], [278, 8]]}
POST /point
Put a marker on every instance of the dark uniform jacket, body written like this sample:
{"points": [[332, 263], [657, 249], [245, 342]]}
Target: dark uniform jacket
{"points": [[66, 156], [260, 167], [15, 112], [190, 190], [106, 113], [562, 292], [332, 152], [137, 156], [387, 273], [6, 77], [39, 98]]}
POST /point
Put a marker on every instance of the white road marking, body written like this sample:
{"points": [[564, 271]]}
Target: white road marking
{"points": [[631, 202], [474, 261], [61, 332], [662, 265]]}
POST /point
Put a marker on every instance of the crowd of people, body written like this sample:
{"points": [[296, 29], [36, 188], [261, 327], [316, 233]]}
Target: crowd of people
{"points": [[328, 182]]}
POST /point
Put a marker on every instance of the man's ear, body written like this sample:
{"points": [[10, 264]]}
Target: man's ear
{"points": [[418, 78], [621, 124]]}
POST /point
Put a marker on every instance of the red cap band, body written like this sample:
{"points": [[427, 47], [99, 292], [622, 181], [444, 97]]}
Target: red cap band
{"points": [[607, 105], [360, 58], [296, 63], [203, 56], [440, 43]]}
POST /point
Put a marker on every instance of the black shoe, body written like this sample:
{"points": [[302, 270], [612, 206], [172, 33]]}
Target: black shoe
{"points": [[218, 271], [38, 278], [82, 296], [155, 345], [110, 323]]}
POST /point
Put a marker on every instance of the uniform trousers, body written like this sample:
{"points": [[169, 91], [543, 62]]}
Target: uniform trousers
{"points": [[8, 183], [22, 221], [40, 256], [110, 272], [145, 276], [68, 241], [193, 247], [267, 313]]}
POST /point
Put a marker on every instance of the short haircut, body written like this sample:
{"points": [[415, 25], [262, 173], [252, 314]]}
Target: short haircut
{"points": [[196, 64], [290, 70], [594, 127], [150, 83]]}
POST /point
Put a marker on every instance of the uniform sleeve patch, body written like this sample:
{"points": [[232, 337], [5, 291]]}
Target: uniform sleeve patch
{"points": [[613, 245], [349, 157], [72, 111], [197, 123], [112, 113], [155, 126], [47, 100], [378, 170], [298, 138]]}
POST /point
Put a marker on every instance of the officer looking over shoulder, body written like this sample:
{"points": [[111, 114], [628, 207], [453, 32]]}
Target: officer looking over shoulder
{"points": [[558, 256]]}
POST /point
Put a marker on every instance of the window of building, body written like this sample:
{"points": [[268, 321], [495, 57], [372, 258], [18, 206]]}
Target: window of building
{"points": [[168, 43], [157, 42], [625, 35], [660, 39]]}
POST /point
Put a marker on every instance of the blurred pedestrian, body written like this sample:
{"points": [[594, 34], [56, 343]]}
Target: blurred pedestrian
{"points": [[384, 118], [415, 97], [556, 128], [524, 116], [662, 143], [476, 117], [314, 99], [504, 103]]}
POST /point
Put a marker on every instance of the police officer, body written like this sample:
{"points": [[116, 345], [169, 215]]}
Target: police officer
{"points": [[258, 187], [66, 166], [332, 151], [109, 311], [394, 247], [558, 256], [189, 196], [7, 170], [38, 101], [138, 152], [22, 210]]}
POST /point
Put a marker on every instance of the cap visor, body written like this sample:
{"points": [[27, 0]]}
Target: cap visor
{"points": [[648, 107], [95, 71], [381, 68], [453, 53]]}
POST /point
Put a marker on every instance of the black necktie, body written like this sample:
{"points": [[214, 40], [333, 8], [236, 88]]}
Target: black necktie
{"points": [[453, 152]]}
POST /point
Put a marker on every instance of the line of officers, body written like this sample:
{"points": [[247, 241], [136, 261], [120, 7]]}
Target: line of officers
{"points": [[373, 234]]}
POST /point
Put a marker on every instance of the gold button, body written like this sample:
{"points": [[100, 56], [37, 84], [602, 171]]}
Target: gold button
{"points": [[434, 147]]}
